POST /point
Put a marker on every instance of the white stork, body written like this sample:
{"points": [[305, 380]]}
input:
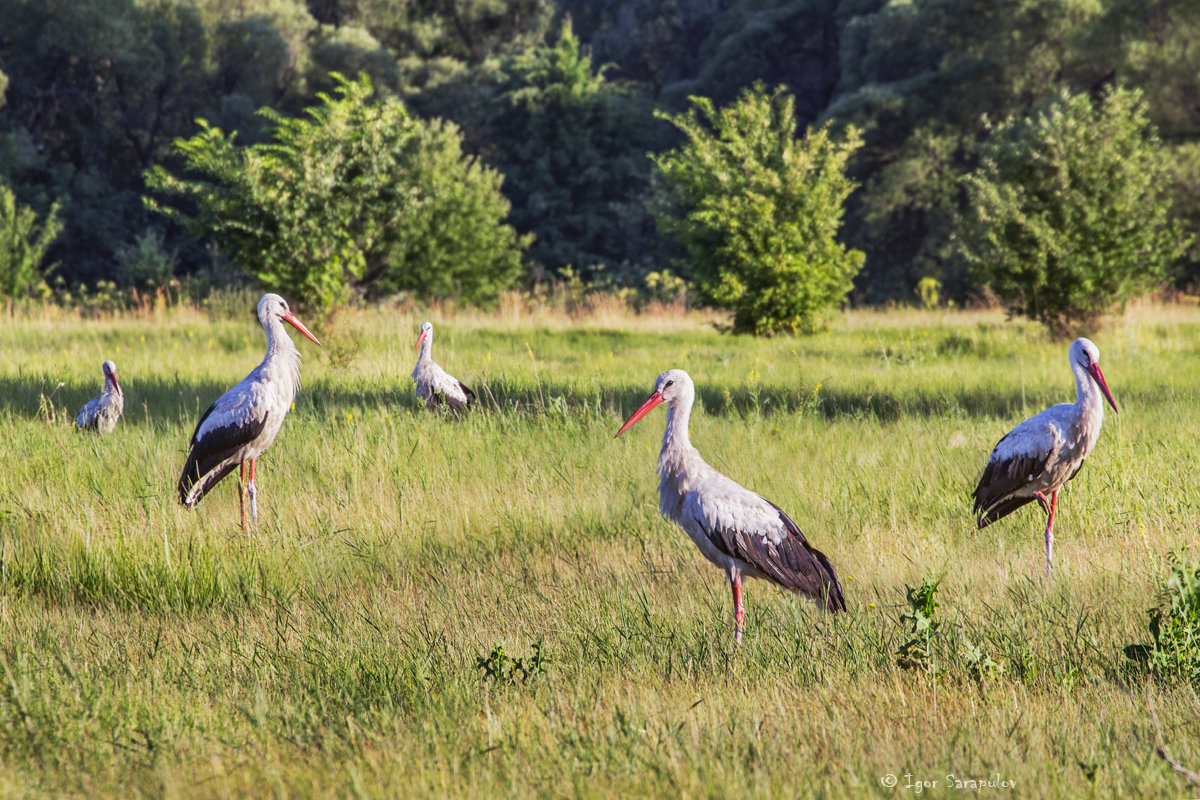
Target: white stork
{"points": [[434, 385], [736, 529], [101, 413], [244, 421], [1045, 451]]}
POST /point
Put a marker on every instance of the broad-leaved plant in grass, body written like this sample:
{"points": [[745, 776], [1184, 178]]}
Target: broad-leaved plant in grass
{"points": [[924, 627], [1174, 652]]}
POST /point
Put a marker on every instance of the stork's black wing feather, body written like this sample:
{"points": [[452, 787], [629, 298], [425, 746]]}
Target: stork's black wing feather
{"points": [[994, 496], [998, 509], [792, 562], [471, 398], [204, 459]]}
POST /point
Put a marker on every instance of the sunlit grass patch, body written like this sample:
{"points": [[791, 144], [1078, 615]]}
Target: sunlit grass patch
{"points": [[492, 604], [131, 576]]}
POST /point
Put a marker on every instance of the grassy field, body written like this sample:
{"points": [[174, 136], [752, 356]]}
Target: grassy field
{"points": [[490, 606]]}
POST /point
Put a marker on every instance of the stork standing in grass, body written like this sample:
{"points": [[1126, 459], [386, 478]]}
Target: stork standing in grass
{"points": [[101, 413], [237, 428], [434, 385], [739, 531], [1041, 454]]}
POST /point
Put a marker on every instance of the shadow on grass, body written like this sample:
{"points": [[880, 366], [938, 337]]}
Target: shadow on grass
{"points": [[743, 399], [159, 400]]}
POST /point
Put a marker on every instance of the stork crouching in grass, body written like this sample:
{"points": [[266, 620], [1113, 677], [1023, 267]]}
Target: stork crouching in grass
{"points": [[244, 421], [739, 531], [1041, 454], [101, 413], [434, 385]]}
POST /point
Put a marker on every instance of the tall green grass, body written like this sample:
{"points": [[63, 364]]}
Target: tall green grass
{"points": [[336, 649]]}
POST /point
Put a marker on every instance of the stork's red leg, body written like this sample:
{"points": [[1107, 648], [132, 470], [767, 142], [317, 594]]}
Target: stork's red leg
{"points": [[253, 492], [739, 610], [1050, 530], [242, 494], [1041, 498]]}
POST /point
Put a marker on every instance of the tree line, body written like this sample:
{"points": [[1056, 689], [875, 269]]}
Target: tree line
{"points": [[458, 147]]}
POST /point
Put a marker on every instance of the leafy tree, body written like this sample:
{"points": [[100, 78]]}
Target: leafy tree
{"points": [[352, 189], [758, 210], [24, 241], [1067, 210], [467, 31], [648, 41], [97, 92], [350, 50], [455, 242], [572, 146], [917, 77]]}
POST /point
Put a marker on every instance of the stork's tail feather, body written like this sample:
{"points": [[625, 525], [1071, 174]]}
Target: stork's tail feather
{"points": [[832, 599], [999, 510], [471, 398], [193, 487]]}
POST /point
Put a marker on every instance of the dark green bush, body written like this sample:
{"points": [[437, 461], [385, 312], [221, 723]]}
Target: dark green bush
{"points": [[1068, 211]]}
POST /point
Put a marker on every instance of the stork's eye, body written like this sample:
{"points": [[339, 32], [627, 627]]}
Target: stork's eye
{"points": [[668, 385]]}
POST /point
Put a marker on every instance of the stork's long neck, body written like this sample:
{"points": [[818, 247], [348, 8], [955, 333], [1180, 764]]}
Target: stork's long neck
{"points": [[1089, 403], [111, 386], [426, 349], [282, 361], [679, 462]]}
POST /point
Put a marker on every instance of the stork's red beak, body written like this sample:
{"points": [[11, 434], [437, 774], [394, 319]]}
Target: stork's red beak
{"points": [[289, 317], [420, 339], [1098, 376], [650, 403], [116, 385]]}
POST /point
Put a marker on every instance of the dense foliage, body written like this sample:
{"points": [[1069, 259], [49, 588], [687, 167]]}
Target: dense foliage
{"points": [[559, 95], [1067, 212], [758, 210], [574, 159], [352, 193], [24, 240]]}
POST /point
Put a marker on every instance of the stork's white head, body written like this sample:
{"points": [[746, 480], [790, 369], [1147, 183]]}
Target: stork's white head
{"points": [[426, 333], [1085, 355], [110, 374], [272, 306], [672, 386]]}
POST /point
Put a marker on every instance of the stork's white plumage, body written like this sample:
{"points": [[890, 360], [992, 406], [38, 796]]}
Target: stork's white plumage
{"points": [[1045, 451], [101, 413], [734, 528], [434, 385], [244, 421]]}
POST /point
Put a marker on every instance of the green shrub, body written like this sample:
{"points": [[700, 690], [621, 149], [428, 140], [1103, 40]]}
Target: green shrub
{"points": [[758, 210], [24, 241], [1068, 213], [146, 263], [929, 289], [354, 194]]}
